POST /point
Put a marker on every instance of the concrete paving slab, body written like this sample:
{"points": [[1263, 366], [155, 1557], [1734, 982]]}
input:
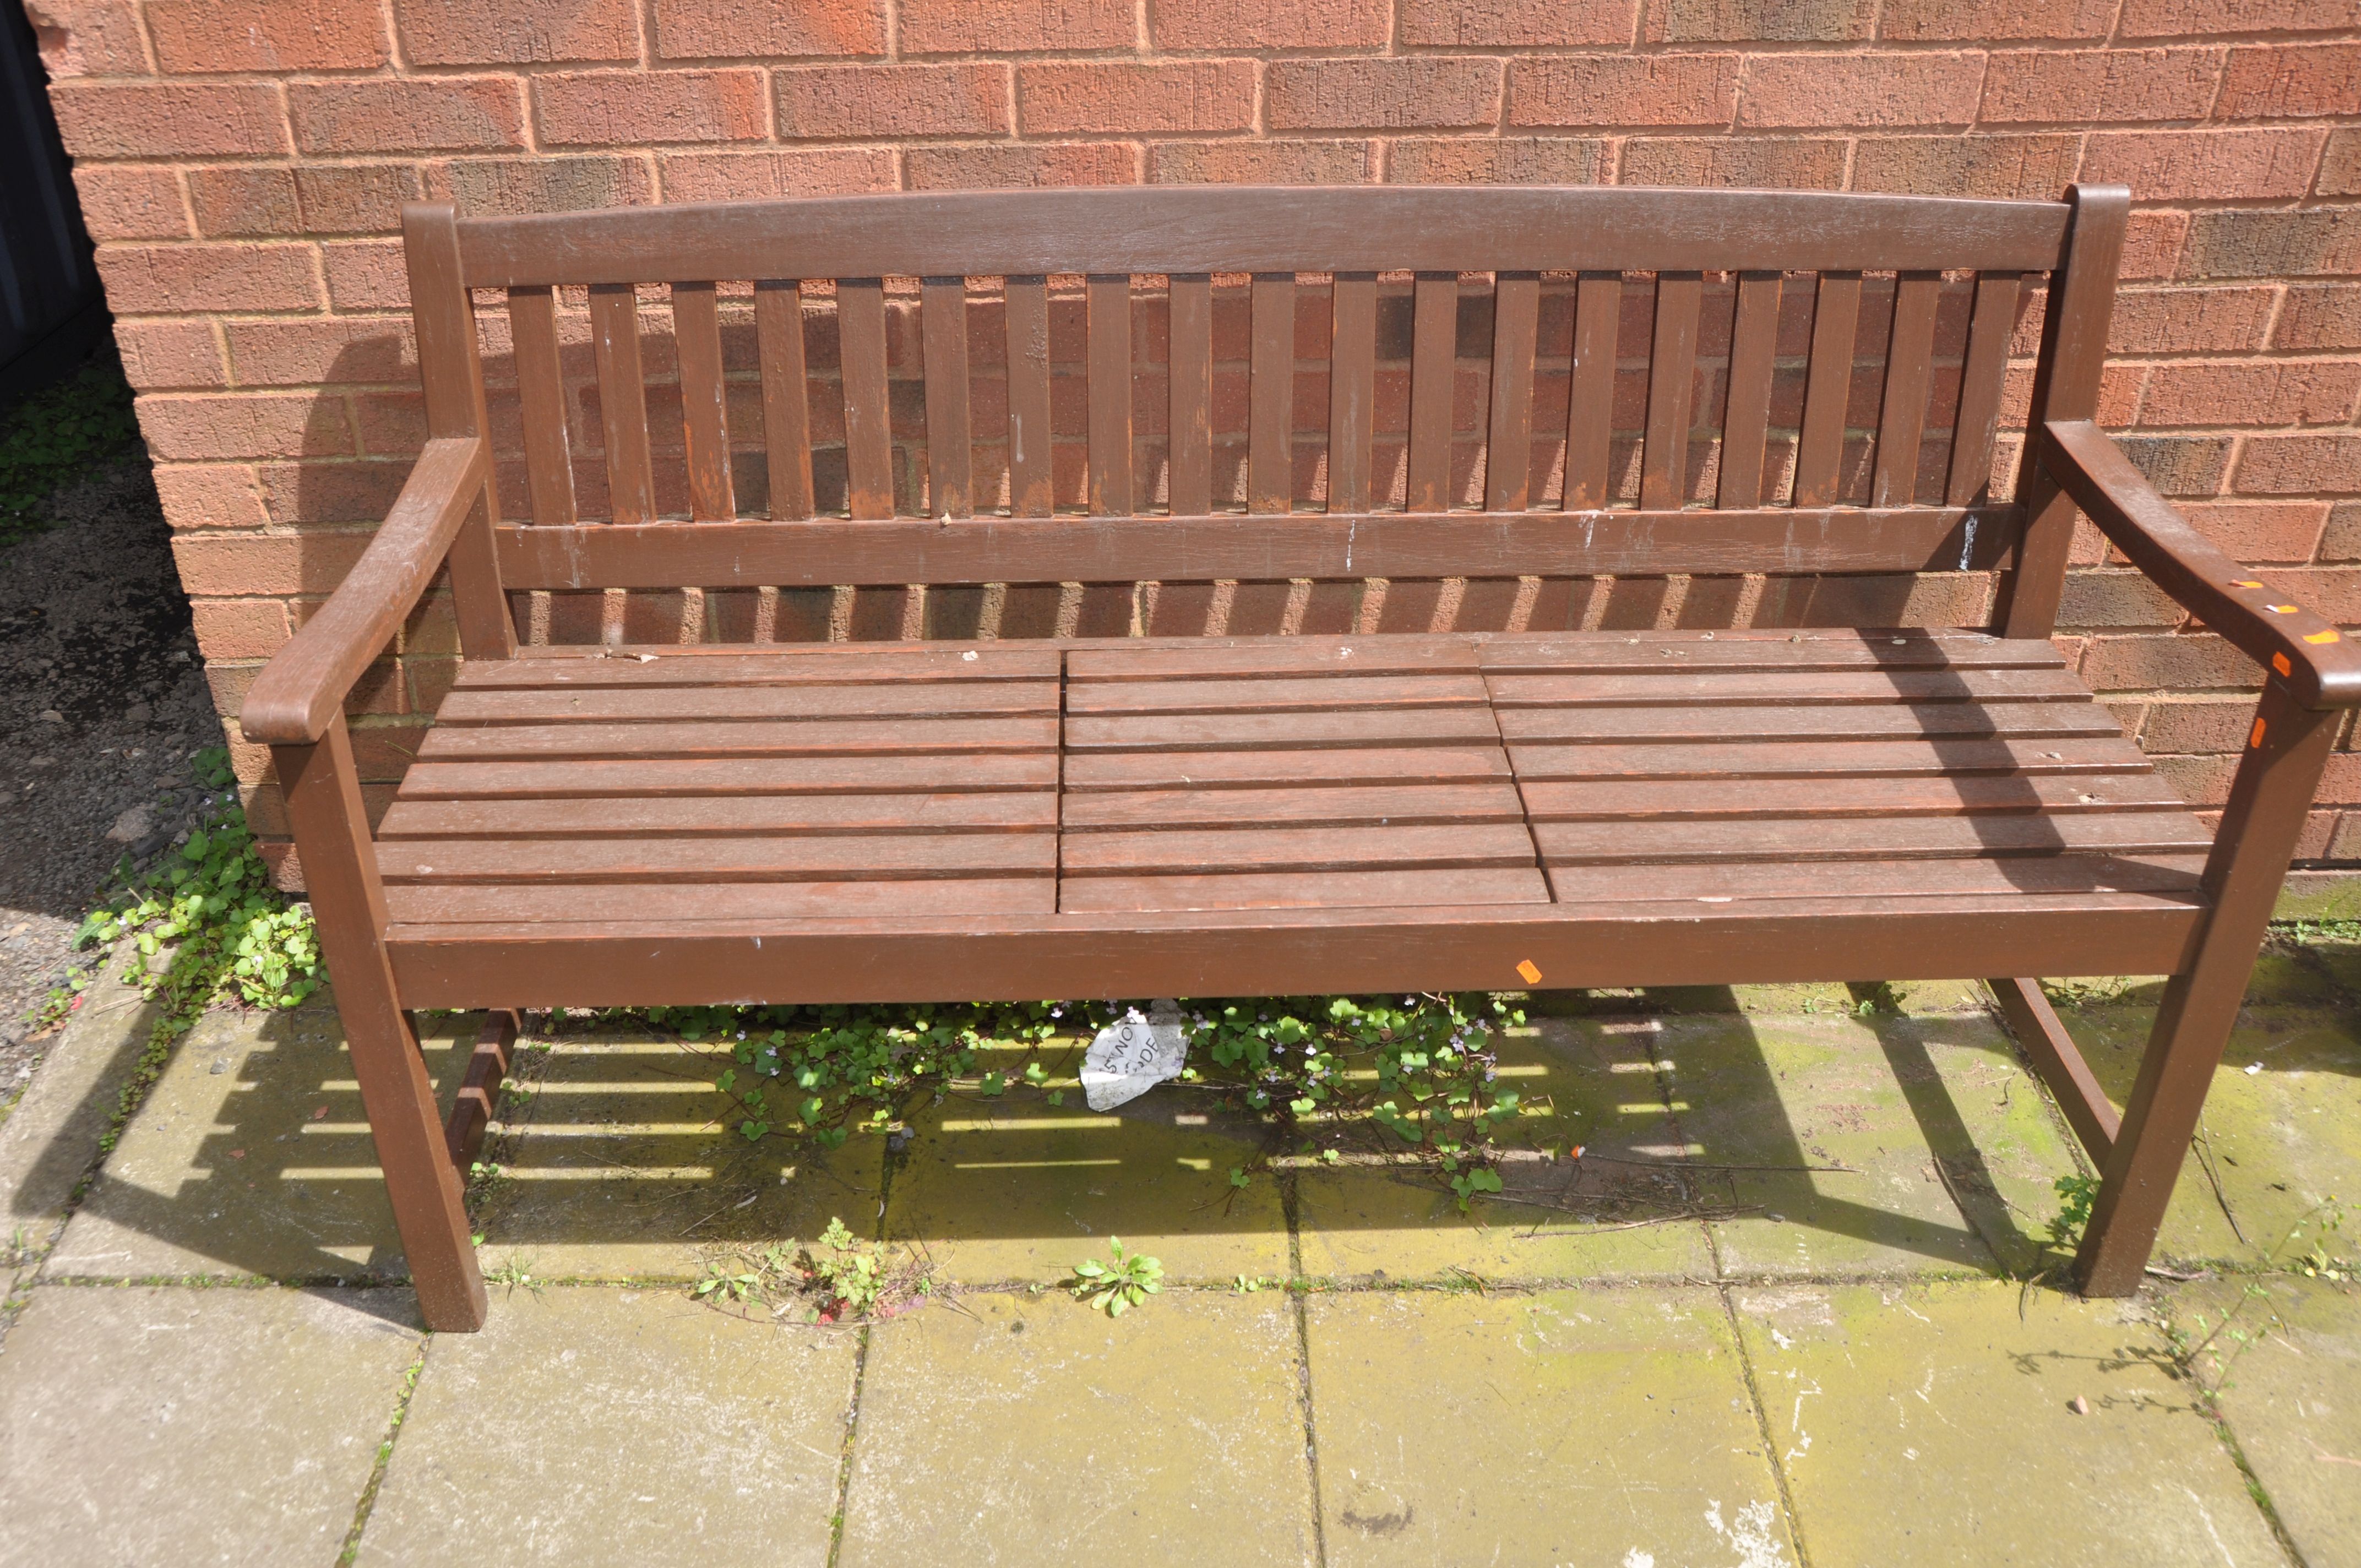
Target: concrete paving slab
{"points": [[1934, 1424], [1026, 1429], [2281, 1129], [1016, 1189], [1609, 1427], [1786, 1092], [588, 1425], [2293, 1402], [251, 1157], [190, 1425], [1615, 1214], [51, 1136], [618, 1166]]}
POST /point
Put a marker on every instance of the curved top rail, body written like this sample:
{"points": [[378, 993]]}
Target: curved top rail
{"points": [[1263, 229]]}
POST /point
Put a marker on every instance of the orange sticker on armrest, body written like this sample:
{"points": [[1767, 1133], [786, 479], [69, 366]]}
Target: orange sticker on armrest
{"points": [[2280, 662], [2246, 582], [2256, 739], [1531, 971], [2331, 635]]}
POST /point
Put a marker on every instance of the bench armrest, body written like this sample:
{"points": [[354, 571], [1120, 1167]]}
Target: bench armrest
{"points": [[2320, 664], [302, 688]]}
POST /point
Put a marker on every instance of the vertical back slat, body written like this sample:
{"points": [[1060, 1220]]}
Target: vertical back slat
{"points": [[1433, 353], [1910, 371], [540, 393], [1270, 393], [622, 401], [1190, 455], [787, 397], [868, 416], [1352, 386], [705, 418], [943, 315], [1754, 346], [1827, 387], [1509, 441], [1590, 394], [1109, 301], [1031, 486], [1981, 383], [1672, 371]]}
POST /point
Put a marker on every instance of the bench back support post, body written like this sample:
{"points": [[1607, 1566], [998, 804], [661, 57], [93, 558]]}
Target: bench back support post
{"points": [[324, 799], [2270, 798], [2065, 386], [451, 365]]}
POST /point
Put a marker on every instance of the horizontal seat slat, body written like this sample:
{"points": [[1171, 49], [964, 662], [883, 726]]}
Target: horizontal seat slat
{"points": [[1642, 800], [847, 858], [1668, 688], [999, 811], [1281, 731], [1417, 888], [1318, 695], [1856, 758], [705, 901], [601, 778], [1880, 837], [1209, 657], [790, 737], [1719, 882], [1401, 804], [906, 699], [1276, 848], [1371, 765], [1828, 722]]}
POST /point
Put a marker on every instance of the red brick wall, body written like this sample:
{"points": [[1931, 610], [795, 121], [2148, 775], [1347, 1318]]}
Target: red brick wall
{"points": [[241, 163]]}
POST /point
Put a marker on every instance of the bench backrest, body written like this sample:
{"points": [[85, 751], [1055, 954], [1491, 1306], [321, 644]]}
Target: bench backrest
{"points": [[1199, 408]]}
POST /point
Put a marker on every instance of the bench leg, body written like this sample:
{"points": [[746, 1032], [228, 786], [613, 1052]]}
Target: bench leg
{"points": [[323, 798], [2260, 825]]}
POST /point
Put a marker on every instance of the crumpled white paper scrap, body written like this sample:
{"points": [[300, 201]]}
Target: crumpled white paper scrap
{"points": [[1133, 1055]]}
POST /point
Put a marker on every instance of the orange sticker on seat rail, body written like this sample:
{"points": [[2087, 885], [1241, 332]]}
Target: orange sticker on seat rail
{"points": [[1531, 971]]}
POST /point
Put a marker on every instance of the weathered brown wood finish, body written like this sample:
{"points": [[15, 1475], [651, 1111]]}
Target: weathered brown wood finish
{"points": [[1054, 807]]}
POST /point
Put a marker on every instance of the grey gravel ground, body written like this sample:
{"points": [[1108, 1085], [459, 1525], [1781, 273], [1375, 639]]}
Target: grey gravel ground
{"points": [[102, 700]]}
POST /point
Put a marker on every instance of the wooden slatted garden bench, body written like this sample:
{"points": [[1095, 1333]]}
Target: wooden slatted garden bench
{"points": [[1105, 696]]}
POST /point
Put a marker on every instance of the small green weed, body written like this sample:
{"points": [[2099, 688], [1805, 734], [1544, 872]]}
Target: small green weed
{"points": [[2207, 1346], [517, 1275], [839, 1278], [2075, 1196], [847, 1273], [1114, 1289], [228, 930], [58, 434], [723, 1286], [1469, 1182]]}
